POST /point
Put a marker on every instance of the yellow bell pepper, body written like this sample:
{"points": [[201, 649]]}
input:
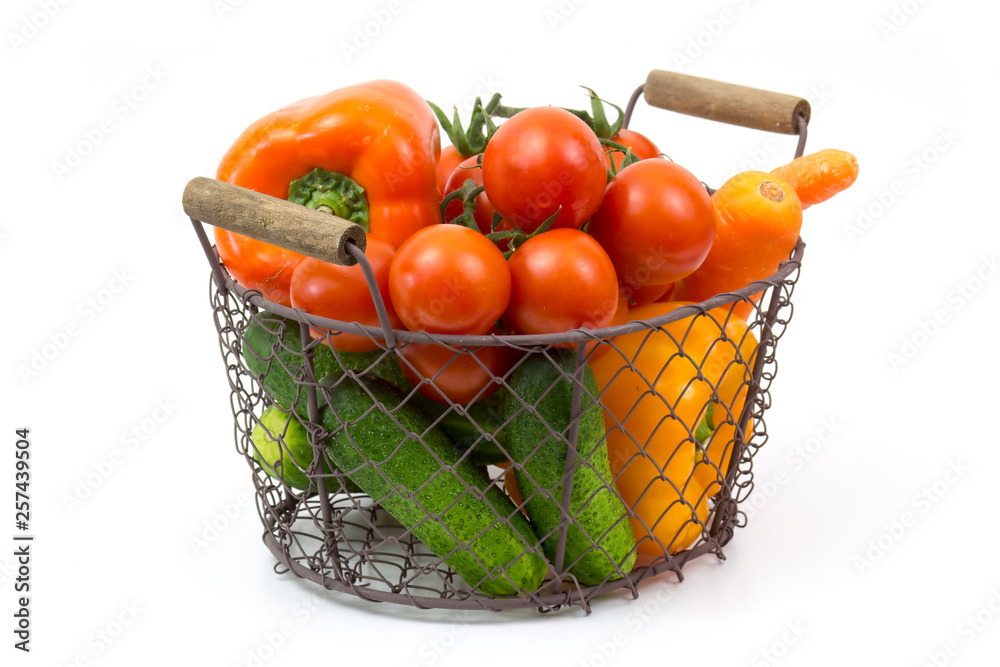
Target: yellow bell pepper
{"points": [[655, 397]]}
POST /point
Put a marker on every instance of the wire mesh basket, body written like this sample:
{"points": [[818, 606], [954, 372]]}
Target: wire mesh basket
{"points": [[630, 448]]}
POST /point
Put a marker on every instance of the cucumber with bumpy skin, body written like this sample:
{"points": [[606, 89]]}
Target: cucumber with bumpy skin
{"points": [[457, 513], [272, 351], [479, 429], [538, 443]]}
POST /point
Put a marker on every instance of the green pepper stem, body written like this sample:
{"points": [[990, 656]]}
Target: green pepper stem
{"points": [[333, 193], [707, 426]]}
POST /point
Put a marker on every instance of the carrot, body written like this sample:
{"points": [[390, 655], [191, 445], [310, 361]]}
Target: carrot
{"points": [[510, 483], [819, 176], [758, 221]]}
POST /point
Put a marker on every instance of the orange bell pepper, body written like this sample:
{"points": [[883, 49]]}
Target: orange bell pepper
{"points": [[655, 396], [375, 145]]}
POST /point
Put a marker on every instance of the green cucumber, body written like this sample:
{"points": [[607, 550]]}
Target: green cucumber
{"points": [[460, 516], [479, 428], [598, 514], [272, 351], [281, 447]]}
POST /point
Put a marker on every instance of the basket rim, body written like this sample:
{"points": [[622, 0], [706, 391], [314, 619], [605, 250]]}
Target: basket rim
{"points": [[377, 334]]}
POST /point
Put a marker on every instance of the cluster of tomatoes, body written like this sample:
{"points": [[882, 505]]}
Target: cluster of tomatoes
{"points": [[556, 245], [555, 220]]}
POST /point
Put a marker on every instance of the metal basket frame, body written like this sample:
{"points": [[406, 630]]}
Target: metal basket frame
{"points": [[307, 533]]}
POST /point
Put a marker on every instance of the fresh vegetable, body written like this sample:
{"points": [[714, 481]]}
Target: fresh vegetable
{"points": [[656, 223], [379, 137], [542, 161], [258, 265], [639, 144], [460, 516], [640, 295], [759, 218], [599, 541], [819, 176], [717, 440], [272, 352], [560, 280], [478, 427], [449, 375], [449, 279], [655, 395], [341, 293], [449, 162], [281, 447], [716, 434], [483, 212]]}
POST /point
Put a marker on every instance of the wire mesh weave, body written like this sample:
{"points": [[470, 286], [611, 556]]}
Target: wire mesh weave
{"points": [[332, 533]]}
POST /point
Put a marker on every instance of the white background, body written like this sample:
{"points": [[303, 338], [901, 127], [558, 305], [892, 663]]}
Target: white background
{"points": [[844, 561]]}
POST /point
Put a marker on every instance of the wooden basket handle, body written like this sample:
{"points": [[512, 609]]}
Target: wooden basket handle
{"points": [[272, 220], [725, 102]]}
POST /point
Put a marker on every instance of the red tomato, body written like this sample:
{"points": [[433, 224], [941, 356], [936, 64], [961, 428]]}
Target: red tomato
{"points": [[640, 295], [258, 265], [657, 223], [641, 146], [458, 377], [541, 159], [341, 293], [450, 159], [560, 280], [449, 279]]}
